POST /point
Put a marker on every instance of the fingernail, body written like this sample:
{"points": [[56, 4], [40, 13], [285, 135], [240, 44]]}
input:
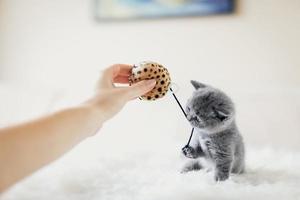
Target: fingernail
{"points": [[151, 82]]}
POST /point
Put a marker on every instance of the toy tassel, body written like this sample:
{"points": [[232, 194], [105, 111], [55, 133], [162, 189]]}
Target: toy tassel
{"points": [[184, 115]]}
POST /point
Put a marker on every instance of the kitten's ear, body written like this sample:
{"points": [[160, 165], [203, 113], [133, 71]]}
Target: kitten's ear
{"points": [[197, 84]]}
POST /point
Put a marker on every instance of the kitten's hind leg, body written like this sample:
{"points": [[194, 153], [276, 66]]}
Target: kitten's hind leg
{"points": [[192, 165]]}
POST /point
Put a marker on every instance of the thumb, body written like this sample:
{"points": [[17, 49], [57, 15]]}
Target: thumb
{"points": [[139, 88]]}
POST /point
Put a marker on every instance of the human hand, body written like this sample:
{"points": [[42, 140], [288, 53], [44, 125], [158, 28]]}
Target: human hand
{"points": [[38, 142], [109, 98]]}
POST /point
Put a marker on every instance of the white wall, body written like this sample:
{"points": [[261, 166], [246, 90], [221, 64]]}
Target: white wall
{"points": [[53, 49]]}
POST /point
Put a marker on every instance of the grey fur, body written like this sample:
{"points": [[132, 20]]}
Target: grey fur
{"points": [[216, 137]]}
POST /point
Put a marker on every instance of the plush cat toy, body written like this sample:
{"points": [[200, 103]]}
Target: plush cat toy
{"points": [[151, 70]]}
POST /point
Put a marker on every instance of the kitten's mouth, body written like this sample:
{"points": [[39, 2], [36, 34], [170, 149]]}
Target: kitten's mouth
{"points": [[194, 122]]}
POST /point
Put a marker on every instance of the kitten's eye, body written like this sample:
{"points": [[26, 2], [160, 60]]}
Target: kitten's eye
{"points": [[197, 112], [188, 109], [212, 114]]}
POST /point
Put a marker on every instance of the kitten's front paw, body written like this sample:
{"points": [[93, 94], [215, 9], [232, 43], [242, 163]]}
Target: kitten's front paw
{"points": [[221, 176], [189, 152]]}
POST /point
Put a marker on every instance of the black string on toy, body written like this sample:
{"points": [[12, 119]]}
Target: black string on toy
{"points": [[178, 103], [190, 138], [184, 115]]}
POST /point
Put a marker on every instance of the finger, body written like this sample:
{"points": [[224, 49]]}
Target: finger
{"points": [[139, 89], [119, 69], [121, 79], [125, 70], [113, 71], [107, 75]]}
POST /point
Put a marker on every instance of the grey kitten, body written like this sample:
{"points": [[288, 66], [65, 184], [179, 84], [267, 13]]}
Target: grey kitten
{"points": [[216, 137]]}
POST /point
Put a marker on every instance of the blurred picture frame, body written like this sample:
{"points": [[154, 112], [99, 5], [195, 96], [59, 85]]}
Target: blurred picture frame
{"points": [[150, 9]]}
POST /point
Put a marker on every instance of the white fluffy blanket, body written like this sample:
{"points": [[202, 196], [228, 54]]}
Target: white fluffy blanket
{"points": [[93, 172], [114, 165]]}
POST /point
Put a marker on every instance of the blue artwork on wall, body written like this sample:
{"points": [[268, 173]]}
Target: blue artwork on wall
{"points": [[129, 9]]}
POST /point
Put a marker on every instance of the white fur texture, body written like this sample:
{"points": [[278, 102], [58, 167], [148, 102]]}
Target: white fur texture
{"points": [[86, 174]]}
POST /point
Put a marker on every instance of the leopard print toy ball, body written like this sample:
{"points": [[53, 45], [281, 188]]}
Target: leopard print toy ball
{"points": [[151, 70]]}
